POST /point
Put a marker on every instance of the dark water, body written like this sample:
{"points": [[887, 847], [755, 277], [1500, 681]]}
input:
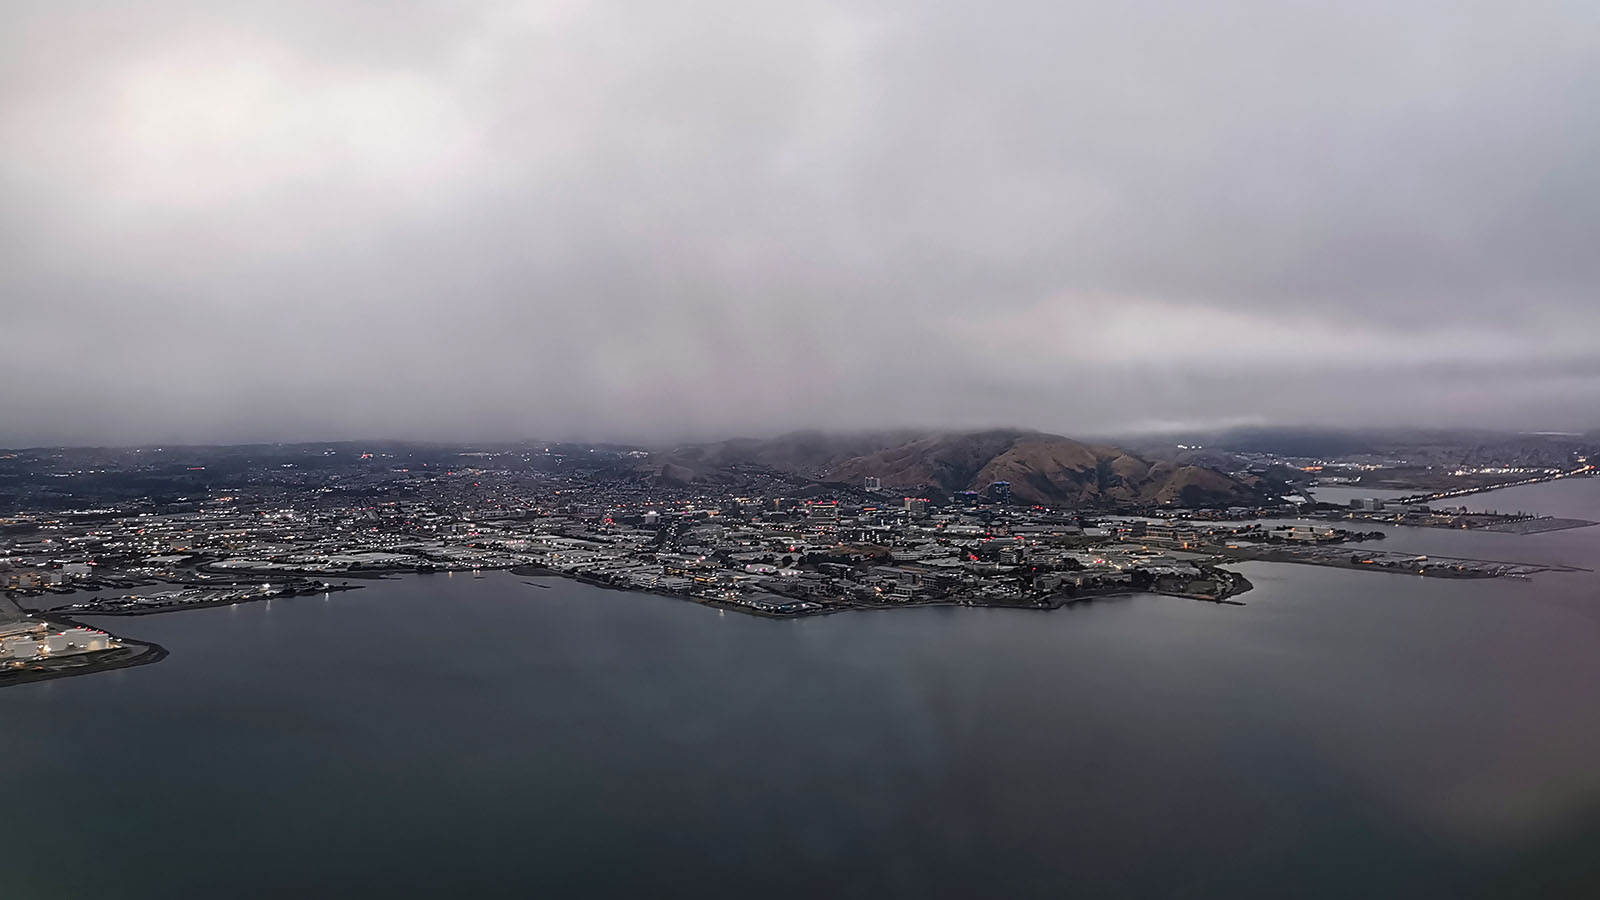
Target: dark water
{"points": [[1346, 734]]}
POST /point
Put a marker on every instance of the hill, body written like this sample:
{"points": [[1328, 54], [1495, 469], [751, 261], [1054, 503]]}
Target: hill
{"points": [[1041, 468]]}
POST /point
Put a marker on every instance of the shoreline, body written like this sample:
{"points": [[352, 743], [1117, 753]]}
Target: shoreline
{"points": [[1430, 497], [139, 653], [144, 653], [1343, 562], [1243, 585], [153, 610]]}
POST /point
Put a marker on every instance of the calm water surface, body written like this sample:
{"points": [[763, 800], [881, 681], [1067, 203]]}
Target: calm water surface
{"points": [[1346, 734]]}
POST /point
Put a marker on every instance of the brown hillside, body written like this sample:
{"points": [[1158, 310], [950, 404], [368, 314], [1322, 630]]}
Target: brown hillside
{"points": [[1042, 468]]}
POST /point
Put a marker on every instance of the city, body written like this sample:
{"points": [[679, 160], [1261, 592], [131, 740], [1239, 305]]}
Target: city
{"points": [[307, 520], [862, 451]]}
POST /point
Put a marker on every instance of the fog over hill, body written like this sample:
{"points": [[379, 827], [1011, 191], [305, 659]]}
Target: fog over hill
{"points": [[1041, 468]]}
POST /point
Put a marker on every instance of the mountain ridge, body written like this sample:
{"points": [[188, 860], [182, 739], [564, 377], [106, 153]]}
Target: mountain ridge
{"points": [[1041, 468]]}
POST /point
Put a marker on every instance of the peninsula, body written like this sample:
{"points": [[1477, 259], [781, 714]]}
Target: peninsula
{"points": [[803, 525]]}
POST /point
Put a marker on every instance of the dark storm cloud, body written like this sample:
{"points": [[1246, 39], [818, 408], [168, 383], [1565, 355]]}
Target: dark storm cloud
{"points": [[296, 219]]}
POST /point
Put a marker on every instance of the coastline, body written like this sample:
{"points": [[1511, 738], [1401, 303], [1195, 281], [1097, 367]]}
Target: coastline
{"points": [[153, 610], [1287, 557], [1240, 583], [1588, 471], [139, 653], [133, 653]]}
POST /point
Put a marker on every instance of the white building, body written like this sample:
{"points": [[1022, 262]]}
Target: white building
{"points": [[20, 648], [87, 639]]}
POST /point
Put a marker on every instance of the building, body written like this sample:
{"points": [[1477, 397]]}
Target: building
{"points": [[87, 638], [1304, 533], [917, 507], [26, 580], [20, 648], [682, 564], [1170, 534], [872, 483], [1000, 492]]}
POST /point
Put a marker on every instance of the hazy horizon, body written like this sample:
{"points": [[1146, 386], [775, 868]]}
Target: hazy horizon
{"points": [[668, 442], [435, 220]]}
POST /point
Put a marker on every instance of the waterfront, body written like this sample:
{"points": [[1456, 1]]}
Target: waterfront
{"points": [[1343, 734]]}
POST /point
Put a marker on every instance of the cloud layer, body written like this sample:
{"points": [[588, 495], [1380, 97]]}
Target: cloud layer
{"points": [[327, 219]]}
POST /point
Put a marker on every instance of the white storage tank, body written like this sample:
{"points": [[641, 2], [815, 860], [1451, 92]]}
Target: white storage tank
{"points": [[21, 648]]}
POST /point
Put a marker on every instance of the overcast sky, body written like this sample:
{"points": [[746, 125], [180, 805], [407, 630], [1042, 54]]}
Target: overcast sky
{"points": [[329, 218]]}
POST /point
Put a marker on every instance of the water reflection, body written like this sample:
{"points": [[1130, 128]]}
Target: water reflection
{"points": [[1345, 733]]}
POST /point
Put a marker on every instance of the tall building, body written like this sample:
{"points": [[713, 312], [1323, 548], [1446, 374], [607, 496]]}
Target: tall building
{"points": [[917, 507], [1000, 492], [872, 483]]}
